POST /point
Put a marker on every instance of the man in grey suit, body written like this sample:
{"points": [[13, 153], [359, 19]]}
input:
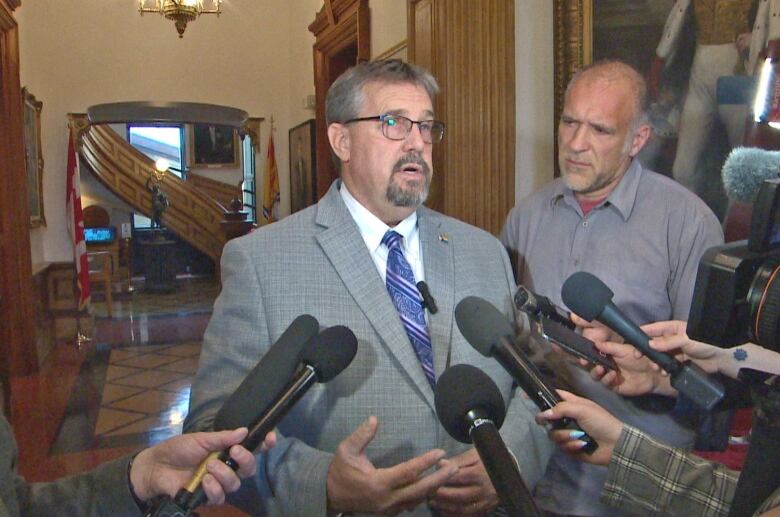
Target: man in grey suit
{"points": [[124, 486], [368, 441]]}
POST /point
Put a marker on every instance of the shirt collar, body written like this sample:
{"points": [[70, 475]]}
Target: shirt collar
{"points": [[622, 198], [371, 228]]}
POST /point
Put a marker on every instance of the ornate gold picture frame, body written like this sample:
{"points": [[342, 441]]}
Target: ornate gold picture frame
{"points": [[33, 157]]}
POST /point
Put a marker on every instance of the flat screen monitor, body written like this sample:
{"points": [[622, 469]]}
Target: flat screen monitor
{"points": [[100, 235]]}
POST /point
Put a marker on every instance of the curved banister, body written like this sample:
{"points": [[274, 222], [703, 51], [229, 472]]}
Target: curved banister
{"points": [[193, 216]]}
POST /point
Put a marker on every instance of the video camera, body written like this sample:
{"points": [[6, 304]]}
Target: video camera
{"points": [[737, 293]]}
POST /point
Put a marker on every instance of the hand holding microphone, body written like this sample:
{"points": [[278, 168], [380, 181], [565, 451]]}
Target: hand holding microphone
{"points": [[589, 297], [489, 332]]}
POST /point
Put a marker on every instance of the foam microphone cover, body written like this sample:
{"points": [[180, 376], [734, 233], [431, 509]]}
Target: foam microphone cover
{"points": [[463, 388], [330, 352], [745, 169], [268, 378], [481, 323], [586, 295]]}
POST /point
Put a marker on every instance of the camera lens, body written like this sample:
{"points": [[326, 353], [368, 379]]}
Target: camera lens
{"points": [[764, 301]]}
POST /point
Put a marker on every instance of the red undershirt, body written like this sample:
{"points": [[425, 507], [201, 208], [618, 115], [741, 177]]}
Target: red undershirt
{"points": [[587, 206]]}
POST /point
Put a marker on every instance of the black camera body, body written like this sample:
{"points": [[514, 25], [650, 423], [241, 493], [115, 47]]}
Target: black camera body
{"points": [[737, 293]]}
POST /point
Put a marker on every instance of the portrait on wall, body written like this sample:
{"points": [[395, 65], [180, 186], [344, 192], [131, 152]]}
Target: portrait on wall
{"points": [[214, 146], [696, 58], [302, 166], [33, 158]]}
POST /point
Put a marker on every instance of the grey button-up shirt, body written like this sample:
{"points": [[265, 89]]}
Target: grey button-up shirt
{"points": [[644, 241]]}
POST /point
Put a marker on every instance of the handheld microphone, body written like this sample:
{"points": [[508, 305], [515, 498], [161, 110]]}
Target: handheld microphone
{"points": [[745, 169], [268, 378], [322, 358], [489, 332], [427, 299], [589, 297], [471, 409], [538, 307]]}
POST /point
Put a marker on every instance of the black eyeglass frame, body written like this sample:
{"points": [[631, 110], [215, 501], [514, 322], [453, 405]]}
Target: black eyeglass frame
{"points": [[384, 117]]}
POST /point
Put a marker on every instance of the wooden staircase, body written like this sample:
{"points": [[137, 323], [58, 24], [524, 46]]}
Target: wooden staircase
{"points": [[192, 215]]}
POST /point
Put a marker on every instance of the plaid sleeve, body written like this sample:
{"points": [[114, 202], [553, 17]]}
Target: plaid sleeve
{"points": [[651, 478]]}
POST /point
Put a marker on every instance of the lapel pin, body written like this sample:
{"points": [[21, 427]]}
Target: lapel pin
{"points": [[443, 237]]}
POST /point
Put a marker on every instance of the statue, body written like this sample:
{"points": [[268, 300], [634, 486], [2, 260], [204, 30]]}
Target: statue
{"points": [[159, 203]]}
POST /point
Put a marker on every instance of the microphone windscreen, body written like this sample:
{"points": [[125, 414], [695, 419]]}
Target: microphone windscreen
{"points": [[330, 352], [481, 323], [586, 295], [463, 388], [268, 378], [745, 169]]}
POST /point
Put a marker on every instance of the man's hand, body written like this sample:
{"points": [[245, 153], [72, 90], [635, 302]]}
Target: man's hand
{"points": [[355, 485], [169, 465], [469, 492], [592, 418]]}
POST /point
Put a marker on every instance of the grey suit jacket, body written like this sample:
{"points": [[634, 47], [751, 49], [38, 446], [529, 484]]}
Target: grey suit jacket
{"points": [[103, 491], [316, 262]]}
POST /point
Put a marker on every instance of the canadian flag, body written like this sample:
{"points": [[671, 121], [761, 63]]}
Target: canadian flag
{"points": [[75, 219]]}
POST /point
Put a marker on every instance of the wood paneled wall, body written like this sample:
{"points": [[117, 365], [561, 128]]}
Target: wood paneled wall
{"points": [[17, 343], [469, 47]]}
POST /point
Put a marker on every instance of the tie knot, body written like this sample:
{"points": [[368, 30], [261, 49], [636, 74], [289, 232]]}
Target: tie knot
{"points": [[392, 239]]}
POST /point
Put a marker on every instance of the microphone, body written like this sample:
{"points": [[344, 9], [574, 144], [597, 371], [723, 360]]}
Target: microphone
{"points": [[538, 307], [427, 299], [745, 169], [471, 409], [589, 297], [489, 332], [321, 359], [268, 378]]}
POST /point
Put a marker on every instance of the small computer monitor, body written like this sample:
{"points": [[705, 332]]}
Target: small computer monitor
{"points": [[100, 235]]}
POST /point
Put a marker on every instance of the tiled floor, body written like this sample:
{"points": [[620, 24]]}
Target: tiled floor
{"points": [[126, 388]]}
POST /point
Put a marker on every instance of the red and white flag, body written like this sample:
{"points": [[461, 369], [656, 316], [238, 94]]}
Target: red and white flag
{"points": [[75, 219]]}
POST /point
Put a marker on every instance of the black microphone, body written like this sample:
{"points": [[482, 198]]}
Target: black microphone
{"points": [[489, 332], [590, 298], [268, 378], [538, 307], [427, 299], [745, 170], [471, 409], [322, 358]]}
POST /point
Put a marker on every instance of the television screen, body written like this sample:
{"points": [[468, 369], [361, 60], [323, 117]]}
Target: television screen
{"points": [[100, 235]]}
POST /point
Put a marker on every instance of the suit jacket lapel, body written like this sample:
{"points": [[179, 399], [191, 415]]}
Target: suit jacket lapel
{"points": [[343, 245], [440, 277]]}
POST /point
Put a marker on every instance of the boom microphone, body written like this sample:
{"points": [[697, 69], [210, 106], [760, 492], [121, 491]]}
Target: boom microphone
{"points": [[745, 169], [322, 358], [489, 332], [590, 298], [471, 409]]}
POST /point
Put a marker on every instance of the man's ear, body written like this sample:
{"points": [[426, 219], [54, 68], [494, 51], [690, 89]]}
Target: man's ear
{"points": [[338, 135], [641, 136]]}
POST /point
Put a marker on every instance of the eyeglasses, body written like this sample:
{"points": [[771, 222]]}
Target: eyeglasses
{"points": [[397, 127]]}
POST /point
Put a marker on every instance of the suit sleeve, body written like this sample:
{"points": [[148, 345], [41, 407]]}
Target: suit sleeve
{"points": [[523, 436], [237, 336], [103, 491]]}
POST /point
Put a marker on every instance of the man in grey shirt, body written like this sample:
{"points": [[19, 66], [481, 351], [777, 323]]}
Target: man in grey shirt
{"points": [[638, 231]]}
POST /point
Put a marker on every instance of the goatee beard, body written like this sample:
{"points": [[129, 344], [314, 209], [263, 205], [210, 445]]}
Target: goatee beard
{"points": [[416, 194]]}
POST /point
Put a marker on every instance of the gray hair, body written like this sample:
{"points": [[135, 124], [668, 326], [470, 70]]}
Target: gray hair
{"points": [[611, 69], [345, 96]]}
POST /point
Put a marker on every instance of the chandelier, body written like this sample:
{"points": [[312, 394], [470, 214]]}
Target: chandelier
{"points": [[180, 11]]}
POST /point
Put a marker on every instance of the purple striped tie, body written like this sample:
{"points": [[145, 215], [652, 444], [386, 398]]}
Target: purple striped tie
{"points": [[403, 291]]}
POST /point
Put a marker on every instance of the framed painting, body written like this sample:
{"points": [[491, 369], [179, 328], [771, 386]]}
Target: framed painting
{"points": [[214, 146], [632, 31], [303, 166], [33, 158]]}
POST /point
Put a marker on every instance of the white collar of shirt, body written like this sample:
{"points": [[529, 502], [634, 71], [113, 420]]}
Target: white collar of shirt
{"points": [[372, 229]]}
